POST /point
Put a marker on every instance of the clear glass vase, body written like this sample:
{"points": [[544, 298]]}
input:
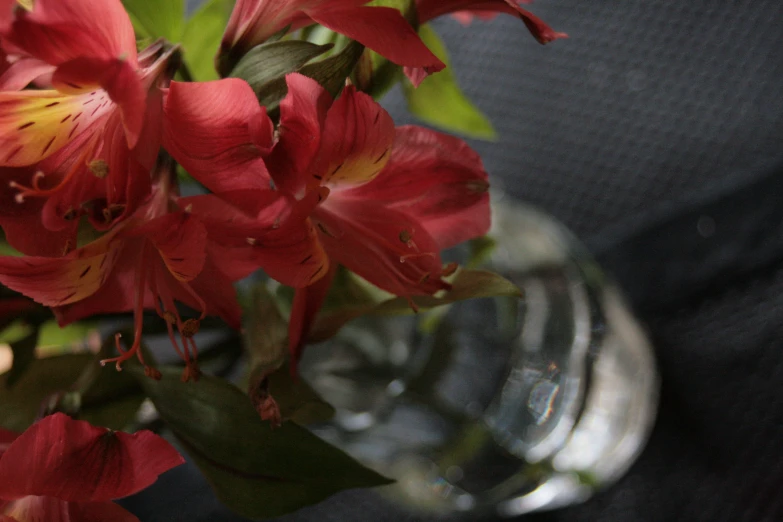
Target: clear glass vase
{"points": [[506, 405]]}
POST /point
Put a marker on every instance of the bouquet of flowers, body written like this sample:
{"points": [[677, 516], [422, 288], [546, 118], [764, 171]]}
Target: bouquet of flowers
{"points": [[144, 178]]}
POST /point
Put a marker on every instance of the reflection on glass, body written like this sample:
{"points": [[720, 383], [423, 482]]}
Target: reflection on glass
{"points": [[501, 405]]}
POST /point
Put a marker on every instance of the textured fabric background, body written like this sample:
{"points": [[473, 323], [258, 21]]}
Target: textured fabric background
{"points": [[655, 134]]}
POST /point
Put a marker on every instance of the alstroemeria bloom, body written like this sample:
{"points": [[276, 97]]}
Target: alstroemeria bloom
{"points": [[382, 29], [91, 140], [464, 9], [158, 256], [66, 470], [387, 200], [219, 134]]}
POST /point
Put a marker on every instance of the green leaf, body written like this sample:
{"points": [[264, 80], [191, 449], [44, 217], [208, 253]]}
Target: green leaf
{"points": [[264, 67], [266, 332], [332, 72], [481, 249], [15, 331], [157, 18], [297, 401], [53, 334], [201, 38], [97, 394], [401, 5], [256, 471], [440, 102], [467, 284], [43, 378]]}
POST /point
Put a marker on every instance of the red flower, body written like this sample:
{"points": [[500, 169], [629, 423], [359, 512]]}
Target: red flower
{"points": [[387, 201], [90, 141], [155, 258], [219, 134], [66, 470], [429, 9], [382, 29]]}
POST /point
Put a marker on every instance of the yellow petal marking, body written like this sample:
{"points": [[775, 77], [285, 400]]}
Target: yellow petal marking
{"points": [[35, 124]]}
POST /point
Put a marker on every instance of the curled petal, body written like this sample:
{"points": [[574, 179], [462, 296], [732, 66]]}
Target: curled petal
{"points": [[19, 73], [217, 132], [356, 143], [21, 223], [253, 21], [76, 462], [385, 31], [302, 115], [429, 9], [181, 241], [438, 180], [214, 288], [465, 17]]}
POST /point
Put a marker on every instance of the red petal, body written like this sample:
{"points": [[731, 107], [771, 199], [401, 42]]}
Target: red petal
{"points": [[117, 77], [429, 9], [30, 237], [181, 241], [76, 462], [307, 302], [17, 75], [115, 295], [385, 246], [57, 31], [283, 242], [127, 184], [253, 21], [302, 116], [99, 512], [382, 29], [436, 179], [238, 214], [356, 143], [7, 8], [216, 290], [217, 132], [22, 221], [64, 280]]}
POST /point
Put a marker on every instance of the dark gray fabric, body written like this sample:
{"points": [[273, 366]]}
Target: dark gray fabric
{"points": [[655, 134]]}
